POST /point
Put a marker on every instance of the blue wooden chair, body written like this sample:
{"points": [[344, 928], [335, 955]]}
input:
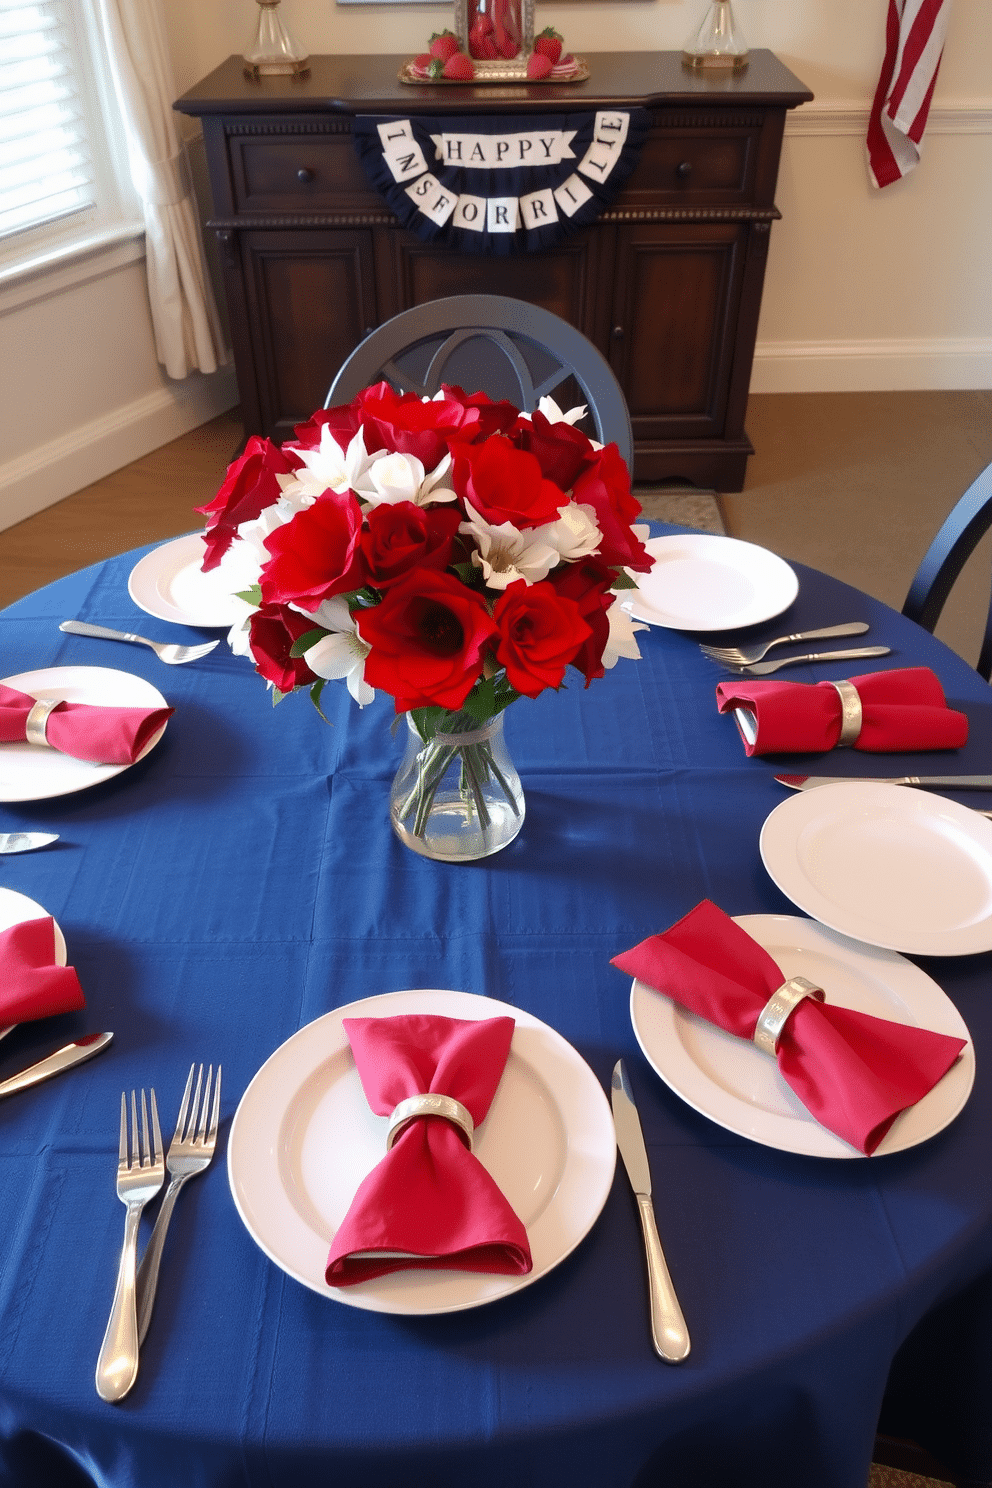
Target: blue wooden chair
{"points": [[496, 345], [960, 534]]}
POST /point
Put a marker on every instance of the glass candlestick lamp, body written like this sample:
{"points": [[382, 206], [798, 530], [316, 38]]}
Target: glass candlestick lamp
{"points": [[718, 41], [273, 51]]}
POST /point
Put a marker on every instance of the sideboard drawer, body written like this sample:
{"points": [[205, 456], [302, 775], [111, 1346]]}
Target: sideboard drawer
{"points": [[698, 167], [299, 172]]}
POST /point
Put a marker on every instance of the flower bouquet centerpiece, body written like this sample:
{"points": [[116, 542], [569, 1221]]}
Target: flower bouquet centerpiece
{"points": [[452, 551]]}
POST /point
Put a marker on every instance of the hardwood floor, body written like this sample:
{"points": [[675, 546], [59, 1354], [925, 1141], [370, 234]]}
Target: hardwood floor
{"points": [[147, 501]]}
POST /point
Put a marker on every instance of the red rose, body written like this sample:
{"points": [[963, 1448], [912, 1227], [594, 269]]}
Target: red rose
{"points": [[505, 484], [428, 637], [588, 584], [317, 554], [403, 536], [249, 487], [560, 450], [272, 631], [493, 418], [605, 486], [540, 632], [403, 423]]}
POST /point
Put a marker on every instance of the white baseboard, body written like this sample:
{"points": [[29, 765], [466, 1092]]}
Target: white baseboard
{"points": [[54, 470], [872, 366]]}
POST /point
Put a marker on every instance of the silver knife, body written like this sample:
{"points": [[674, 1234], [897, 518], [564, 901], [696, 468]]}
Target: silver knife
{"points": [[14, 842], [668, 1330], [928, 782], [54, 1064]]}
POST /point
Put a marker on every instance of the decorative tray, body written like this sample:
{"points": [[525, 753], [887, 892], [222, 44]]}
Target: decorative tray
{"points": [[497, 72]]}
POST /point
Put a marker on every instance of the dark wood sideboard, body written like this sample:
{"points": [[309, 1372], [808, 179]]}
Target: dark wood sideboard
{"points": [[667, 282]]}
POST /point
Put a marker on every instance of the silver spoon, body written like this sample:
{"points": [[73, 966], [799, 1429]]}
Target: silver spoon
{"points": [[166, 651]]}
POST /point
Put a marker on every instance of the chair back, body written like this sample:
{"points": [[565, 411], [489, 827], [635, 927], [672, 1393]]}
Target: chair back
{"points": [[960, 534], [492, 344]]}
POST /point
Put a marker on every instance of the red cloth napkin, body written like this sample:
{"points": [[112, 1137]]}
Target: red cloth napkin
{"points": [[852, 1071], [902, 710], [104, 736], [31, 985], [429, 1198]]}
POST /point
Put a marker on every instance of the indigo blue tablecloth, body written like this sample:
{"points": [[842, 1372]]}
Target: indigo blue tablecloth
{"points": [[241, 881]]}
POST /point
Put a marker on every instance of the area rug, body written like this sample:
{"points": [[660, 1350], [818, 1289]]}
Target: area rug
{"points": [[685, 506], [893, 1477]]}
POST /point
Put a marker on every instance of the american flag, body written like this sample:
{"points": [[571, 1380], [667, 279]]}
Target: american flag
{"points": [[914, 42]]}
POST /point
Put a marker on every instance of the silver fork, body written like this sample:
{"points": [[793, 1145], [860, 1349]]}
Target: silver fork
{"points": [[746, 655], [166, 651], [138, 1180], [765, 668], [190, 1151]]}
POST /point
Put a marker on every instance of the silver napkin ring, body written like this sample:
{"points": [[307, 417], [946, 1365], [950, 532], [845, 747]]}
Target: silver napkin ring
{"points": [[850, 713], [779, 1009], [36, 723], [430, 1105]]}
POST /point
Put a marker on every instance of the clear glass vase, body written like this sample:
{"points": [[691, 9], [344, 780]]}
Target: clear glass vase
{"points": [[456, 796], [717, 41], [495, 29], [273, 52]]}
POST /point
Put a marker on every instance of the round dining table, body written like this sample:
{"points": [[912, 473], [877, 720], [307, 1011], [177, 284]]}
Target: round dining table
{"points": [[242, 881]]}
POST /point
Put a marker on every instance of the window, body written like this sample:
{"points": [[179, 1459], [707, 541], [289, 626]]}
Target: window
{"points": [[63, 165]]}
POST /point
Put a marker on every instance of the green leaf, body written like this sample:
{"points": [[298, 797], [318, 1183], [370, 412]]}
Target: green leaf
{"points": [[306, 640], [622, 580], [252, 596], [481, 701], [315, 692], [277, 696]]}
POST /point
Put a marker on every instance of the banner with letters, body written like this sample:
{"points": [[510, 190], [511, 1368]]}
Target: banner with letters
{"points": [[500, 184]]}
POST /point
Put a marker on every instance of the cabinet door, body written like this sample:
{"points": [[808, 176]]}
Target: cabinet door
{"points": [[309, 300], [676, 299]]}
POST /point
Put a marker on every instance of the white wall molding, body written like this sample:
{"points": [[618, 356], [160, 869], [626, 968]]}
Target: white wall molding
{"points": [[839, 117], [872, 366], [53, 470]]}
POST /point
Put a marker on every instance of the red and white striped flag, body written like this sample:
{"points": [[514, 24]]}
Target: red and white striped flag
{"points": [[914, 42]]}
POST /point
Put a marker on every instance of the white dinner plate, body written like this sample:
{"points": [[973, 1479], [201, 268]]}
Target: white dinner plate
{"points": [[29, 772], [169, 584], [888, 864], [16, 908], [303, 1138], [740, 1088], [700, 581]]}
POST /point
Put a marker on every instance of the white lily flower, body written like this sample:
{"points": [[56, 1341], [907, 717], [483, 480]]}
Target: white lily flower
{"points": [[621, 640], [327, 468], [554, 415], [576, 533], [506, 554], [392, 478], [341, 654], [237, 636], [431, 489]]}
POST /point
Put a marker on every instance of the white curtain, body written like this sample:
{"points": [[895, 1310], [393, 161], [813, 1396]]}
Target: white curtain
{"points": [[188, 332]]}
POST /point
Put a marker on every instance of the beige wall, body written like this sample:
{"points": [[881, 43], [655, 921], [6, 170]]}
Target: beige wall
{"points": [[864, 289]]}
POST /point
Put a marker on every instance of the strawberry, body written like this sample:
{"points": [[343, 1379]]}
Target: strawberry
{"points": [[423, 61], [480, 43], [458, 68], [549, 44], [538, 66], [443, 44]]}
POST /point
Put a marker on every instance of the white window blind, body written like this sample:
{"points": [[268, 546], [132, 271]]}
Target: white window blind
{"points": [[61, 152]]}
